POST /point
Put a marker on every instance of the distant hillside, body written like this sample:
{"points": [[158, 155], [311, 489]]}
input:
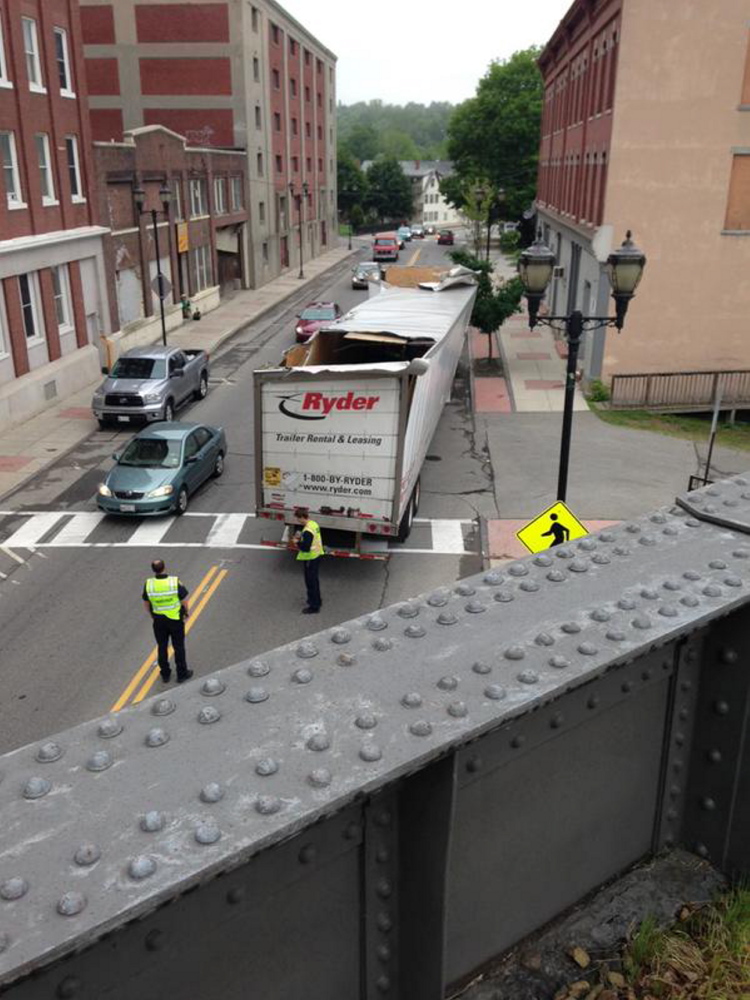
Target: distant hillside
{"points": [[408, 132]]}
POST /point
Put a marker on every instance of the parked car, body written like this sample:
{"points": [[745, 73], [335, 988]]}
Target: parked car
{"points": [[417, 232], [445, 237], [365, 272], [385, 246], [150, 383], [312, 317], [429, 230], [160, 469], [404, 235]]}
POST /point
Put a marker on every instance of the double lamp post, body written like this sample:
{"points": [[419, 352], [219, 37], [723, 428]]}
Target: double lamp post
{"points": [[139, 197], [298, 198], [624, 268]]}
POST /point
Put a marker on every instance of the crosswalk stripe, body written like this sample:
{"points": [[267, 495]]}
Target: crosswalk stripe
{"points": [[226, 530], [32, 530], [447, 537], [151, 532], [78, 528]]}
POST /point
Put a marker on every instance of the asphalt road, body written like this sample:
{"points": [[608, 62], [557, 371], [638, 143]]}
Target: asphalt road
{"points": [[76, 641]]}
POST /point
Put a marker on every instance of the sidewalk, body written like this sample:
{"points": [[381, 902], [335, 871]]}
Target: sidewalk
{"points": [[35, 444]]}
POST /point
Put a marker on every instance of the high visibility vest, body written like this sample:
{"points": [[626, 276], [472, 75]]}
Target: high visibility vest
{"points": [[163, 595], [316, 549]]}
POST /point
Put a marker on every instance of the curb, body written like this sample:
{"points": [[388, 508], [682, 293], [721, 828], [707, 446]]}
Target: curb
{"points": [[484, 538], [222, 339]]}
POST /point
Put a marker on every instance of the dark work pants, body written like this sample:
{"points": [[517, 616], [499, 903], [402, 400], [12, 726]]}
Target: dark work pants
{"points": [[164, 630], [311, 569]]}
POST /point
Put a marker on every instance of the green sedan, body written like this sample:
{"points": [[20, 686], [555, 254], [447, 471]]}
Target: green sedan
{"points": [[161, 468]]}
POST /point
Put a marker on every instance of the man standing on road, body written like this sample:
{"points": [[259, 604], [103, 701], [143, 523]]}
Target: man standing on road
{"points": [[165, 599], [309, 545]]}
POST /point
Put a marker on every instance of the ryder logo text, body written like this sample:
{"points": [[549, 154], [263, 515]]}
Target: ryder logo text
{"points": [[317, 405]]}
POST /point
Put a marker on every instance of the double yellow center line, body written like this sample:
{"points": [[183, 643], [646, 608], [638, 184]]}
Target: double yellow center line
{"points": [[414, 257], [149, 669]]}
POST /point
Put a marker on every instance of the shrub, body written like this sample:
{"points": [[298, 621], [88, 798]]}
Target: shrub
{"points": [[598, 391]]}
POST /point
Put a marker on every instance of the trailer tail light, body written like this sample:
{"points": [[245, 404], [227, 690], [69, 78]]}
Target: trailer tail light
{"points": [[386, 529], [372, 527]]}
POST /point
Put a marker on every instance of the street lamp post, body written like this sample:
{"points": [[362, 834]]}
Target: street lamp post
{"points": [[298, 198], [625, 269], [139, 196]]}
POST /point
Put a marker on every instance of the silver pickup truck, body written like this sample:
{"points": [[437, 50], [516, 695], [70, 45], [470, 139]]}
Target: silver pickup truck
{"points": [[150, 383]]}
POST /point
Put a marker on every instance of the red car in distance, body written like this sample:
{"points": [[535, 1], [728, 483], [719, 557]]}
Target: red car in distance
{"points": [[445, 236], [312, 317]]}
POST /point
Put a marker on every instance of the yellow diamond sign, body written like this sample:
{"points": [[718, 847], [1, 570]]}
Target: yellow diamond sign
{"points": [[554, 526]]}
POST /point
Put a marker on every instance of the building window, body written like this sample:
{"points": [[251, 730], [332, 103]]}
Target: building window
{"points": [[738, 203], [256, 69], [61, 294], [320, 100], [254, 17], [292, 86], [275, 79], [307, 57], [261, 211], [264, 249], [279, 164], [320, 132], [237, 194], [31, 50], [4, 82], [258, 117], [292, 47], [307, 94], [282, 213], [294, 126], [295, 164], [320, 164], [10, 170], [318, 66], [46, 179], [74, 167], [308, 164], [259, 164], [28, 287], [63, 62], [275, 34], [220, 195], [177, 198], [277, 121], [308, 130], [198, 198], [202, 267]]}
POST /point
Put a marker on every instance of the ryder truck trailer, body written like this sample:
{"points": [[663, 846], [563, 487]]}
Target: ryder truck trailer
{"points": [[342, 428]]}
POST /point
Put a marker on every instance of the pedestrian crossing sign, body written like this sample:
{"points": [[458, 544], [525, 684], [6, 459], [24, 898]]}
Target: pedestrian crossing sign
{"points": [[554, 526]]}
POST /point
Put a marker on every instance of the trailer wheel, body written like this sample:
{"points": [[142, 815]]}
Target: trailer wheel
{"points": [[404, 529]]}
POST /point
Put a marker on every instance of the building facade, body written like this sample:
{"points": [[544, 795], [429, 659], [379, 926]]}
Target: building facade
{"points": [[200, 229], [435, 210], [227, 74], [646, 126], [53, 296]]}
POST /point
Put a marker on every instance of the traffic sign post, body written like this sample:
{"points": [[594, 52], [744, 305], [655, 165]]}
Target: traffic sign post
{"points": [[161, 286], [554, 526]]}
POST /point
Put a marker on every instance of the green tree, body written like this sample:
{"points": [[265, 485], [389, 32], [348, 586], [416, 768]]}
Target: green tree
{"points": [[351, 184], [389, 190], [495, 134], [493, 304], [395, 143], [362, 142], [366, 129]]}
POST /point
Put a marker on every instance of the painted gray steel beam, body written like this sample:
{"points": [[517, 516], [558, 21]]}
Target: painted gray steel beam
{"points": [[105, 823]]}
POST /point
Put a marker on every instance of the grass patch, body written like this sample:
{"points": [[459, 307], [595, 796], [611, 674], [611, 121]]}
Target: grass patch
{"points": [[692, 428]]}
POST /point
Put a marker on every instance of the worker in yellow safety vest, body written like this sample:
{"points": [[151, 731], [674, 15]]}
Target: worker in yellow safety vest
{"points": [[309, 545], [165, 599]]}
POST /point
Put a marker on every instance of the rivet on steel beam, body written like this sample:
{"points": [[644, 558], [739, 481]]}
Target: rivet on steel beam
{"points": [[571, 628], [691, 574], [141, 867], [528, 676], [717, 564], [729, 656], [679, 739], [70, 987], [370, 752], [382, 855], [384, 922], [564, 552], [448, 683], [36, 788], [493, 578], [642, 622], [153, 821], [504, 596], [626, 604], [109, 728], [307, 650], [157, 738], [474, 764], [236, 895], [495, 692], [668, 611], [13, 888], [741, 553], [446, 618], [721, 707], [383, 951], [557, 720], [514, 653], [593, 701], [207, 832], [646, 674], [672, 585], [412, 699], [475, 607], [256, 695], [693, 522], [677, 766], [658, 519], [212, 687], [341, 636], [100, 761], [346, 659], [87, 854], [711, 590], [465, 590], [600, 615], [414, 631], [559, 662], [208, 715], [544, 639], [715, 756], [319, 741], [649, 594], [383, 984], [684, 714], [542, 559], [633, 529], [302, 676], [212, 792], [408, 610], [162, 706], [626, 687], [518, 741], [674, 791], [4, 942], [588, 649], [71, 903], [382, 644], [690, 601], [671, 530], [384, 888], [600, 558], [555, 576], [320, 777], [708, 804], [529, 586], [438, 599], [672, 815], [307, 854], [458, 709], [258, 669], [376, 623], [420, 728], [616, 635], [607, 536], [733, 581], [587, 544], [647, 540], [366, 721], [267, 805], [518, 569], [352, 831], [154, 940], [579, 566], [480, 667], [621, 550], [49, 752]]}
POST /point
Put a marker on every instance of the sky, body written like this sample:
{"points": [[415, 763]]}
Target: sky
{"points": [[420, 51]]}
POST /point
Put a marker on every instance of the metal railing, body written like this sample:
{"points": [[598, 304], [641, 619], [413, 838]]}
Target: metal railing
{"points": [[380, 809], [681, 390]]}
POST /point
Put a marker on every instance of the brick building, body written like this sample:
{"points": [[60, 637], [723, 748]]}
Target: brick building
{"points": [[53, 294], [201, 235], [227, 74], [646, 126]]}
